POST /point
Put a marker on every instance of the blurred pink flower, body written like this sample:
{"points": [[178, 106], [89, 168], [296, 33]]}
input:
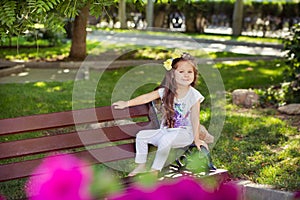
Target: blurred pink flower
{"points": [[297, 195], [60, 177], [185, 188], [2, 197]]}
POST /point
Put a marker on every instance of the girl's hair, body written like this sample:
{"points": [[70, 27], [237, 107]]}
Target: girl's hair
{"points": [[169, 84]]}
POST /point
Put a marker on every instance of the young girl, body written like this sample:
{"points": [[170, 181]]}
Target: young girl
{"points": [[180, 125]]}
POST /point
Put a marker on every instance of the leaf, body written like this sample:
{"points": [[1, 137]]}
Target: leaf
{"points": [[8, 13]]}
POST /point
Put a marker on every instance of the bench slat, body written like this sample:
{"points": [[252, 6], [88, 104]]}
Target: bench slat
{"points": [[24, 169], [70, 140], [69, 118]]}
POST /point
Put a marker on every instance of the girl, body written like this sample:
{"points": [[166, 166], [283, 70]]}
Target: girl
{"points": [[180, 125]]}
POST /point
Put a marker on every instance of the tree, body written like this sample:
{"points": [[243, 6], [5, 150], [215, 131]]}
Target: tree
{"points": [[122, 13], [19, 16], [237, 18], [78, 47]]}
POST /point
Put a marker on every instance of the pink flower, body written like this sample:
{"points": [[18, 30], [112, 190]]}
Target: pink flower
{"points": [[297, 195], [185, 188], [60, 177], [227, 191]]}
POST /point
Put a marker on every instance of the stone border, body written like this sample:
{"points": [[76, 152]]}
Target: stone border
{"points": [[11, 70], [252, 191]]}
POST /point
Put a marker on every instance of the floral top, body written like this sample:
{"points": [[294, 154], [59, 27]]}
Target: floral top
{"points": [[182, 107]]}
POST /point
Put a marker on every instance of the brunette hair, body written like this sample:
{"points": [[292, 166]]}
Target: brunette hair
{"points": [[169, 85]]}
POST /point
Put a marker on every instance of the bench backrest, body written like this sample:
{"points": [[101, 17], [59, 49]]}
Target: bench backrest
{"points": [[25, 141]]}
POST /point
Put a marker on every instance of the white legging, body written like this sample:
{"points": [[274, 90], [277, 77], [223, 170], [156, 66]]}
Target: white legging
{"points": [[164, 139]]}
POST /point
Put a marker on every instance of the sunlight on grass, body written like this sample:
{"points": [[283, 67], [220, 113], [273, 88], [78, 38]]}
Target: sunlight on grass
{"points": [[258, 146], [240, 74], [269, 72], [40, 84]]}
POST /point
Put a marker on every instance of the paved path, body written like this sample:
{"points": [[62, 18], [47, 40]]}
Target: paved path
{"points": [[186, 42]]}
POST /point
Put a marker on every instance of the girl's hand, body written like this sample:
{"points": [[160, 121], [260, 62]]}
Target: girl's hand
{"points": [[120, 104], [199, 142], [209, 138]]}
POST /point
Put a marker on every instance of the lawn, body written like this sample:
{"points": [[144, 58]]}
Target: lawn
{"points": [[255, 144]]}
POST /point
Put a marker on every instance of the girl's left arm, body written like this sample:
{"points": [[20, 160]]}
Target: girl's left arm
{"points": [[195, 112]]}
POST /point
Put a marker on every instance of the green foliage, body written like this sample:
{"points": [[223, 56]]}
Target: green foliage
{"points": [[24, 16], [7, 14], [41, 6], [18, 17], [7, 18], [275, 95], [292, 74], [288, 91]]}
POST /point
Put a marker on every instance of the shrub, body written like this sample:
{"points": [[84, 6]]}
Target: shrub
{"points": [[289, 90], [292, 74]]}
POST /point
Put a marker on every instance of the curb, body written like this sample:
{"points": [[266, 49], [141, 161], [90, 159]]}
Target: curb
{"points": [[11, 70], [252, 191]]}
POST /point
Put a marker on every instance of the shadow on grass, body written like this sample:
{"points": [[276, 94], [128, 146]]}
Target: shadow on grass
{"points": [[259, 147]]}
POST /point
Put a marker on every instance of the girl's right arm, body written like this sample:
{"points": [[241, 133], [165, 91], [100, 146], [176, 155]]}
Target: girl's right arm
{"points": [[145, 98]]}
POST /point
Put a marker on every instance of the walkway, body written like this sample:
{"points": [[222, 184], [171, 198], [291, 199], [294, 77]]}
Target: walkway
{"points": [[183, 41]]}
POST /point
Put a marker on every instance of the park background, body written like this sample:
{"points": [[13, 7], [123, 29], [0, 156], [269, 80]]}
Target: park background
{"points": [[259, 144]]}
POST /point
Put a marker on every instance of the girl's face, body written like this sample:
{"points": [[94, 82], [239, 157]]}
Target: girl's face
{"points": [[184, 73]]}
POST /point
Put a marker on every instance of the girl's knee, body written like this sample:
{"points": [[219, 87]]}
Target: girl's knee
{"points": [[164, 142]]}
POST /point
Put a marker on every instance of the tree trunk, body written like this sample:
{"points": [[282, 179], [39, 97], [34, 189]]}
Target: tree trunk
{"points": [[122, 14], [237, 18], [149, 13], [159, 19], [78, 46]]}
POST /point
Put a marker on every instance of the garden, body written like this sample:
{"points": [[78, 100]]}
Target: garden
{"points": [[258, 144]]}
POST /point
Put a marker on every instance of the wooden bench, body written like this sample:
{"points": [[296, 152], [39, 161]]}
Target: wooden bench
{"points": [[25, 141]]}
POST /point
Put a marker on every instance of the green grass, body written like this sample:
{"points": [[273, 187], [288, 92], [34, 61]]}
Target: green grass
{"points": [[45, 97], [258, 146], [247, 74]]}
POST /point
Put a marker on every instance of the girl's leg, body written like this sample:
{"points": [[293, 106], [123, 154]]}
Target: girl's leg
{"points": [[141, 146], [171, 139], [140, 168], [142, 140]]}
